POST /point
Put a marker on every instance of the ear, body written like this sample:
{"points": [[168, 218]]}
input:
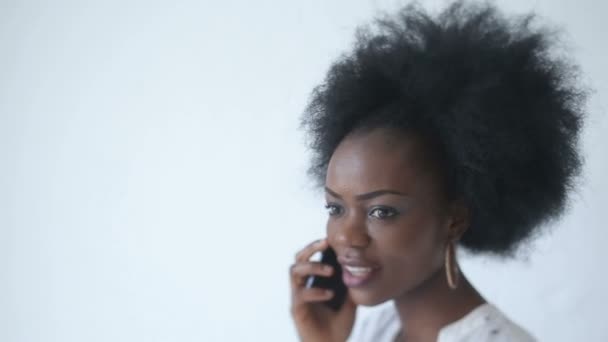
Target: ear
{"points": [[459, 221]]}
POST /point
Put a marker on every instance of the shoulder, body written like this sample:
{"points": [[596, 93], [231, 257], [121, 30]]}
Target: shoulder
{"points": [[485, 323]]}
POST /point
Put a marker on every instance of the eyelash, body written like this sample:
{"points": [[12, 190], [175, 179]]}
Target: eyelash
{"points": [[330, 206], [388, 211]]}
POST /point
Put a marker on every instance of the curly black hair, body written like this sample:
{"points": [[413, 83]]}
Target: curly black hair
{"points": [[502, 105]]}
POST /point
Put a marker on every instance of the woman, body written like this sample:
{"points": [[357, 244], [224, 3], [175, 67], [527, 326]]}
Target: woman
{"points": [[435, 132]]}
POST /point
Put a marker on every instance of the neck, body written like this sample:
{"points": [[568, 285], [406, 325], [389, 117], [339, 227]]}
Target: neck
{"points": [[433, 305]]}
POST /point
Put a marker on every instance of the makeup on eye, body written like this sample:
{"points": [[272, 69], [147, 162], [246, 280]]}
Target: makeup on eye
{"points": [[383, 212], [380, 212], [376, 211], [333, 209]]}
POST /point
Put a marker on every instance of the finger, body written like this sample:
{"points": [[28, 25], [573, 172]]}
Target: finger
{"points": [[312, 295], [300, 272], [311, 268], [311, 249]]}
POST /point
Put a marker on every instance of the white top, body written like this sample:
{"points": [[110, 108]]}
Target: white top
{"points": [[483, 324]]}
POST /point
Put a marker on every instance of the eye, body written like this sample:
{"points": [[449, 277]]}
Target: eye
{"points": [[382, 213], [333, 209]]}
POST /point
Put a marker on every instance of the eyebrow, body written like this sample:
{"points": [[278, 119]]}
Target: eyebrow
{"points": [[368, 195]]}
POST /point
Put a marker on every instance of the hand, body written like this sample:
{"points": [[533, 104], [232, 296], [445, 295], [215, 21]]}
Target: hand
{"points": [[315, 321]]}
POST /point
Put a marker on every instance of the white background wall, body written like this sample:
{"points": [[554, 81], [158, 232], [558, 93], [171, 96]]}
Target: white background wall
{"points": [[152, 174]]}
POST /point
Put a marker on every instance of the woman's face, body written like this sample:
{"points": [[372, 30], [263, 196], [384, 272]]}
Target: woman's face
{"points": [[387, 218]]}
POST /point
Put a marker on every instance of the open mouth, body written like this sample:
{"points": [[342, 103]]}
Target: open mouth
{"points": [[358, 271], [355, 276]]}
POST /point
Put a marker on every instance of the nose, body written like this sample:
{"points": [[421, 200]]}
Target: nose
{"points": [[350, 231]]}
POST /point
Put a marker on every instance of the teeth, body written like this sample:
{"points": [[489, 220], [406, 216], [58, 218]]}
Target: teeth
{"points": [[358, 271]]}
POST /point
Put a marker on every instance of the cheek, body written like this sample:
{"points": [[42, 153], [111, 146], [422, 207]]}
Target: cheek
{"points": [[412, 245]]}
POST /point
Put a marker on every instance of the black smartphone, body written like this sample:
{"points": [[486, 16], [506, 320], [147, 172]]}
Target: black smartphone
{"points": [[334, 282]]}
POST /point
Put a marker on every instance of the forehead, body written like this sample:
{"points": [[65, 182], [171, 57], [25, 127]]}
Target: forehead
{"points": [[380, 159]]}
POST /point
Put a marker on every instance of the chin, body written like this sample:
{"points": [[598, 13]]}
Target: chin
{"points": [[367, 298]]}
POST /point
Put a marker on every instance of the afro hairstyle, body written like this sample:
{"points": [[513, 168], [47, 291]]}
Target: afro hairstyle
{"points": [[493, 92]]}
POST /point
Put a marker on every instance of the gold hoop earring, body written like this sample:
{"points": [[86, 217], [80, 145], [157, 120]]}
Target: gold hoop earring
{"points": [[451, 268]]}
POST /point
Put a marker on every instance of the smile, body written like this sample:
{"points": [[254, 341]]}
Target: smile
{"points": [[357, 276], [358, 271]]}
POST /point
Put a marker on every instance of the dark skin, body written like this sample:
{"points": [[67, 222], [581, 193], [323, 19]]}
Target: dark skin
{"points": [[387, 210]]}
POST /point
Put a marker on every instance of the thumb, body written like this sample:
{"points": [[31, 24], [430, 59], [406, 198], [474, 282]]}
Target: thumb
{"points": [[349, 303], [348, 309]]}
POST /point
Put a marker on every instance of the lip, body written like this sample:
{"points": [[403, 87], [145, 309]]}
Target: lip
{"points": [[356, 262], [359, 280]]}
